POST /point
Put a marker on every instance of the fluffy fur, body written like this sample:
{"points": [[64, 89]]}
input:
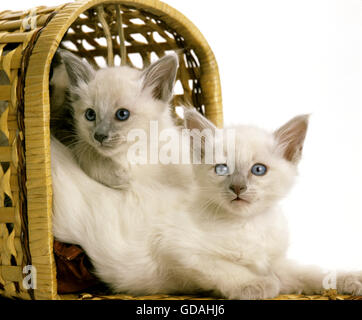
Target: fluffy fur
{"points": [[113, 226], [147, 240]]}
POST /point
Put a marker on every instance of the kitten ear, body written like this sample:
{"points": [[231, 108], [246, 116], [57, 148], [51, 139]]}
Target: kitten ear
{"points": [[77, 69], [195, 120], [197, 123], [291, 137], [160, 76]]}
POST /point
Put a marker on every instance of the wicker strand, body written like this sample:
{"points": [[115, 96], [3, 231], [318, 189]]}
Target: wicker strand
{"points": [[107, 33], [122, 47]]}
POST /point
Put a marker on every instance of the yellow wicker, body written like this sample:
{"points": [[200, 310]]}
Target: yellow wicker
{"points": [[89, 296], [104, 32]]}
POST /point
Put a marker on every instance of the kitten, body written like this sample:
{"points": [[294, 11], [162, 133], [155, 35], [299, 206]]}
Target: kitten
{"points": [[236, 238], [109, 103], [228, 238]]}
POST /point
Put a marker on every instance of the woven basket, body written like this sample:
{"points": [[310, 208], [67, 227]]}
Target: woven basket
{"points": [[104, 32]]}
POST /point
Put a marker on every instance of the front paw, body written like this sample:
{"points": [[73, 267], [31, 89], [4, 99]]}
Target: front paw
{"points": [[350, 283], [265, 288]]}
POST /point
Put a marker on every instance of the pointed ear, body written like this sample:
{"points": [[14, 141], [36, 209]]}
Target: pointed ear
{"points": [[160, 76], [78, 70], [202, 142], [291, 137], [195, 120]]}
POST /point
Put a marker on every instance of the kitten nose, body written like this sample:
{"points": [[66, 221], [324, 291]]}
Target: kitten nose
{"points": [[237, 189], [100, 137]]}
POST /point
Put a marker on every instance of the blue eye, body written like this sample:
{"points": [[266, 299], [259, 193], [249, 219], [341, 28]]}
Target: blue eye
{"points": [[90, 114], [122, 114], [258, 169], [221, 169]]}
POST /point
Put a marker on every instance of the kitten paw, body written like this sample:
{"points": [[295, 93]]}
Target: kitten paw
{"points": [[259, 289], [350, 283]]}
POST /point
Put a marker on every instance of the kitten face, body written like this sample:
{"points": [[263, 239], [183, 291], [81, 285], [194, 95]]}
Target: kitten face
{"points": [[112, 104], [261, 176], [265, 167]]}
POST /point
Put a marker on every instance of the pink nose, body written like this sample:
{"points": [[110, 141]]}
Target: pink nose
{"points": [[237, 189]]}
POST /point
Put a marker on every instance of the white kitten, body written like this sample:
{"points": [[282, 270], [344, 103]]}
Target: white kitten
{"points": [[112, 225], [235, 242], [109, 103]]}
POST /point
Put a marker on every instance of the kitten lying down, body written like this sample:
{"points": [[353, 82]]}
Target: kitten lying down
{"points": [[229, 238]]}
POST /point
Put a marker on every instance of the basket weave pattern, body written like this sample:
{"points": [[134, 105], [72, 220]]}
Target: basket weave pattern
{"points": [[97, 34], [15, 48]]}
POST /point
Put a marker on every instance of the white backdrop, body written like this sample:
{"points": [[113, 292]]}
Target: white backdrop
{"points": [[281, 58]]}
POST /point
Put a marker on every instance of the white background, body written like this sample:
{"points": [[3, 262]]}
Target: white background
{"points": [[280, 58]]}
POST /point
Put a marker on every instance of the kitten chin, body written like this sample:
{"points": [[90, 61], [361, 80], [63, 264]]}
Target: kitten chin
{"points": [[111, 150]]}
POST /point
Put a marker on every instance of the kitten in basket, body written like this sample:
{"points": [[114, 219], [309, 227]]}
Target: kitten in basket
{"points": [[230, 238], [94, 111]]}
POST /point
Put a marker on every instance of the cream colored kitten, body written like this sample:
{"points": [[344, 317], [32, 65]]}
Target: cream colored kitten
{"points": [[234, 240], [107, 105]]}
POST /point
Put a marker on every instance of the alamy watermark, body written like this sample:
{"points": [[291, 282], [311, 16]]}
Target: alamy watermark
{"points": [[30, 278], [170, 146], [330, 281]]}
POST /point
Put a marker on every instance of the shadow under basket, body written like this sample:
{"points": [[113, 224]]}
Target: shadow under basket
{"points": [[135, 33]]}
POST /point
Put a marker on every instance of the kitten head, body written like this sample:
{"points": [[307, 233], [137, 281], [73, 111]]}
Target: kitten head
{"points": [[110, 102], [258, 173]]}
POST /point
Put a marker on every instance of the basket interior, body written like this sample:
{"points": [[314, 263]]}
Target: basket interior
{"points": [[115, 35]]}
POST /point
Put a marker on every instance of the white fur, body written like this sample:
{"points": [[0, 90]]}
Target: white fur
{"points": [[112, 226]]}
